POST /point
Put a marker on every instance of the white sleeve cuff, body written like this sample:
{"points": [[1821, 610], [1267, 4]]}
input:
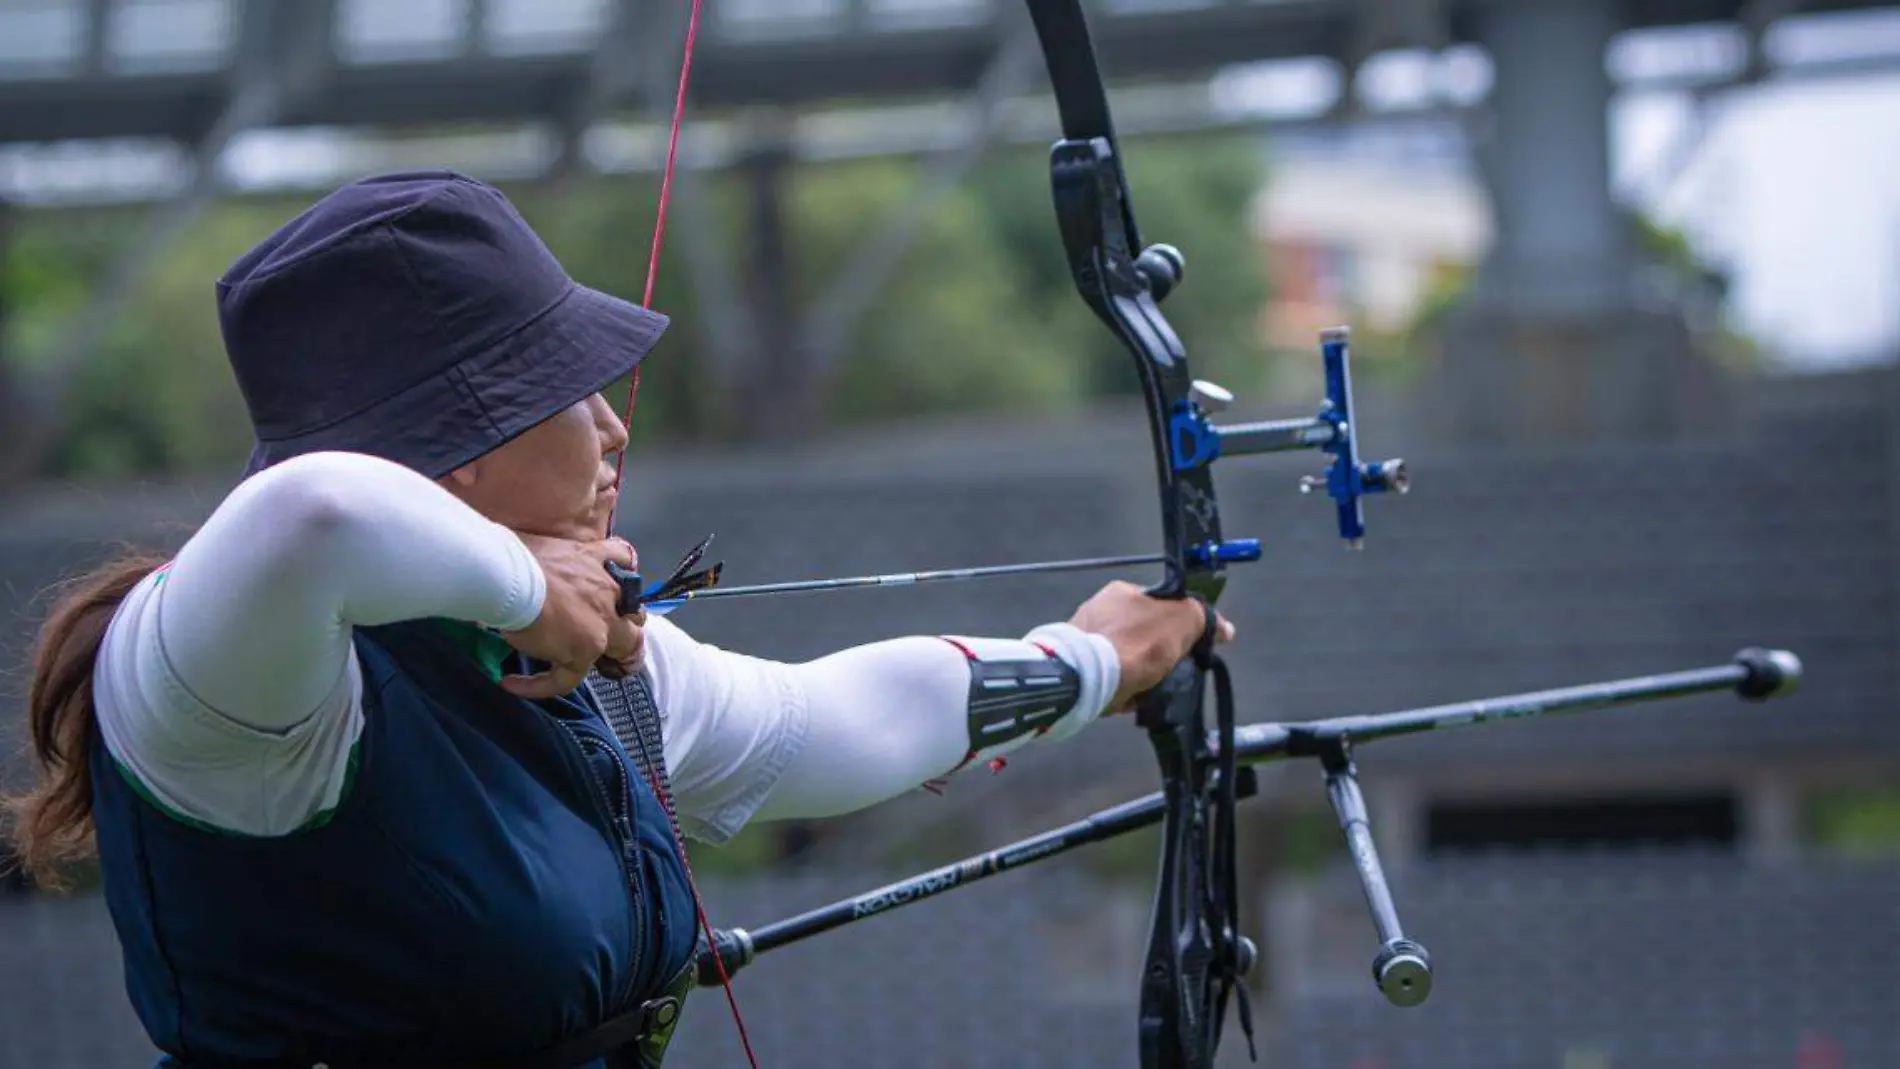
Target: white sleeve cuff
{"points": [[529, 587], [1094, 659]]}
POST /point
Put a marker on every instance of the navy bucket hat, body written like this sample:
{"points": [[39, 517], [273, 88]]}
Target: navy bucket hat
{"points": [[415, 317]]}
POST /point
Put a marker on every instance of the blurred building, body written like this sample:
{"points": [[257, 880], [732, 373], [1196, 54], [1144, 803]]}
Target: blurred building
{"points": [[1364, 237]]}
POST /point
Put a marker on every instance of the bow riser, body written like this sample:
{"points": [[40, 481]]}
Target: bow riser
{"points": [[1091, 212], [1192, 961]]}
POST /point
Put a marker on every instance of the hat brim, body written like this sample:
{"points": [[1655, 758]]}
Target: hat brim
{"points": [[584, 343]]}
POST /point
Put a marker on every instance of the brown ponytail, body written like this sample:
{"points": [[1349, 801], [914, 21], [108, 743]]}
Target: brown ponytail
{"points": [[52, 822]]}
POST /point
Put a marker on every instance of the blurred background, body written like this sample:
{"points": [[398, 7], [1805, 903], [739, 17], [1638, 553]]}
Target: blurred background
{"points": [[1625, 284]]}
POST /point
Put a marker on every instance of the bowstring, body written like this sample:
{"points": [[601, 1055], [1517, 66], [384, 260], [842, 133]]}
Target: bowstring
{"points": [[620, 469], [659, 221]]}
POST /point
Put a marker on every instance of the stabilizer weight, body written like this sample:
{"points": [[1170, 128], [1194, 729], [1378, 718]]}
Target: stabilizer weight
{"points": [[1770, 673], [1403, 971]]}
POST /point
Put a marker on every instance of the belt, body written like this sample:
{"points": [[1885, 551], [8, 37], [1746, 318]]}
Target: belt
{"points": [[634, 1039]]}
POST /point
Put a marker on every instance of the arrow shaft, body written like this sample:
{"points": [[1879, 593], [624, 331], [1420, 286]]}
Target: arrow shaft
{"points": [[808, 586]]}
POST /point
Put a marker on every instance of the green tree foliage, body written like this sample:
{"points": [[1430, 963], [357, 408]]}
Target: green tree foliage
{"points": [[979, 314], [1191, 192], [1856, 821], [959, 326], [157, 394]]}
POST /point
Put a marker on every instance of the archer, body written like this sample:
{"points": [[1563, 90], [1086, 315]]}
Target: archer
{"points": [[356, 800]]}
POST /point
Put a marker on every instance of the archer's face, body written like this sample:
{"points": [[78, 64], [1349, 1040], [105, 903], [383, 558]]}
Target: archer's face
{"points": [[555, 480]]}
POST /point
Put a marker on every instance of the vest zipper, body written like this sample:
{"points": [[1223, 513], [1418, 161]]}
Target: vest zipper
{"points": [[616, 803]]}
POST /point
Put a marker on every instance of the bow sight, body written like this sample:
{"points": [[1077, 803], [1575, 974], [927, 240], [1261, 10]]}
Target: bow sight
{"points": [[1347, 481], [1194, 441]]}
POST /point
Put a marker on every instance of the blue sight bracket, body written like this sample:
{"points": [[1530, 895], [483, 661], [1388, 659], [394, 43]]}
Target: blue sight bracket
{"points": [[1348, 480]]}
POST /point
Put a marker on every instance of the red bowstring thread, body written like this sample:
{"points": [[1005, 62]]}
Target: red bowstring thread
{"points": [[659, 219], [633, 392]]}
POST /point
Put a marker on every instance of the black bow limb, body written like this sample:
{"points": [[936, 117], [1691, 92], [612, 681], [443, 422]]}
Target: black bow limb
{"points": [[1195, 952]]}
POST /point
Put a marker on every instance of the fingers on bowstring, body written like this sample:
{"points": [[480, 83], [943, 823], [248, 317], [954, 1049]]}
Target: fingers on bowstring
{"points": [[1213, 625], [617, 669], [624, 641], [1213, 630], [553, 683], [1223, 629], [620, 551]]}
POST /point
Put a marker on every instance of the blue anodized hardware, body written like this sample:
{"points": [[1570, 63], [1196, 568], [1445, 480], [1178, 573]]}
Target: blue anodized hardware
{"points": [[1231, 551], [1347, 480], [1192, 440]]}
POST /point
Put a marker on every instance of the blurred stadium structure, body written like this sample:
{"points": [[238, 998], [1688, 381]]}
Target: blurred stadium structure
{"points": [[1597, 498]]}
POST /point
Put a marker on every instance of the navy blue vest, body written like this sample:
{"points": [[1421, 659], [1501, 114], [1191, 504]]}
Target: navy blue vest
{"points": [[497, 877]]}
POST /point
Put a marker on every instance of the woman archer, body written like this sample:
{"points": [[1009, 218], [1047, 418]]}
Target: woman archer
{"points": [[354, 798]]}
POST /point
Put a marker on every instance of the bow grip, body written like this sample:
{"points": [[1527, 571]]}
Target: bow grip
{"points": [[1160, 705], [632, 594]]}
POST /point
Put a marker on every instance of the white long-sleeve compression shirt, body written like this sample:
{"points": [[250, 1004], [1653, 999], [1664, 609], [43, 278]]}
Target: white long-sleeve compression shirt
{"points": [[228, 688]]}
